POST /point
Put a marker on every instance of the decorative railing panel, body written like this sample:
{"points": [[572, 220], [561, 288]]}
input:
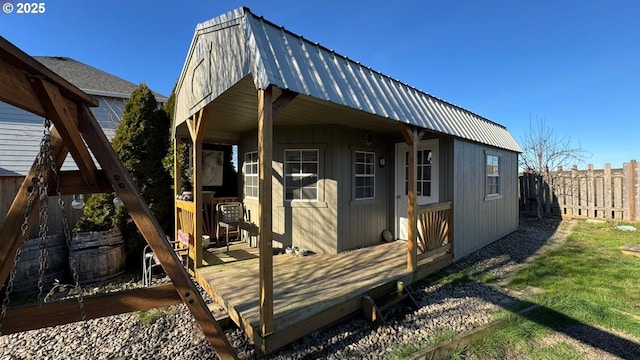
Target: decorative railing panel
{"points": [[435, 229]]}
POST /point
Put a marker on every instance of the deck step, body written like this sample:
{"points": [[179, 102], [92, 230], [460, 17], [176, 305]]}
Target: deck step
{"points": [[373, 308]]}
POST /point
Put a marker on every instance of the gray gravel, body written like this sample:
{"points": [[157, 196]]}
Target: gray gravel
{"points": [[442, 309]]}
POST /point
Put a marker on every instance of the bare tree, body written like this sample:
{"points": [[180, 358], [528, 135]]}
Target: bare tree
{"points": [[544, 152]]}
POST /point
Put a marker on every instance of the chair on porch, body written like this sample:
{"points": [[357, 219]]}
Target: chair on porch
{"points": [[230, 217], [150, 260]]}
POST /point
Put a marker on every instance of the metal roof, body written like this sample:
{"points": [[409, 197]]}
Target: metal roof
{"points": [[244, 44]]}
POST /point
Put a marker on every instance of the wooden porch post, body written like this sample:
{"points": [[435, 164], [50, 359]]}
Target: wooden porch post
{"points": [[412, 137], [177, 183], [265, 157], [197, 126]]}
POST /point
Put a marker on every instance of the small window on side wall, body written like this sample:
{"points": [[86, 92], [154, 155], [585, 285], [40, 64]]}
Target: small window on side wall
{"points": [[493, 175], [251, 174], [365, 175]]}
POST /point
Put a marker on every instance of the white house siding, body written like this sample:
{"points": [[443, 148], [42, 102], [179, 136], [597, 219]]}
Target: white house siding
{"points": [[21, 132], [477, 221]]}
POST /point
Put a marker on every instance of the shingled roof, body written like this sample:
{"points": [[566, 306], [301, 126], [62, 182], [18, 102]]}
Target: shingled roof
{"points": [[91, 80], [20, 131]]}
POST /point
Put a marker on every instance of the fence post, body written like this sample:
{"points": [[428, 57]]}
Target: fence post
{"points": [[607, 191], [575, 191], [591, 196], [547, 198], [634, 196]]}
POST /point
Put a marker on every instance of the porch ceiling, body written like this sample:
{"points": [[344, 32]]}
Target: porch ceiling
{"points": [[236, 112]]}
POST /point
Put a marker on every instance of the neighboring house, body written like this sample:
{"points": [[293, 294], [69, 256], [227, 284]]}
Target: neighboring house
{"points": [[339, 155], [21, 131]]}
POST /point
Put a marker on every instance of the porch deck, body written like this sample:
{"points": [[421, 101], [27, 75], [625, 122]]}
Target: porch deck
{"points": [[309, 292]]}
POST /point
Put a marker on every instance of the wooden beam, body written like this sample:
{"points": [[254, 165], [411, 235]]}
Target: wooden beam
{"points": [[22, 62], [282, 101], [67, 311], [265, 158], [412, 137], [198, 203], [72, 182], [177, 184], [67, 126], [12, 238], [412, 232], [126, 190], [16, 89]]}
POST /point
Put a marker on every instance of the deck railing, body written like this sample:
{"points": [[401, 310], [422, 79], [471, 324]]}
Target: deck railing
{"points": [[435, 229], [185, 229]]}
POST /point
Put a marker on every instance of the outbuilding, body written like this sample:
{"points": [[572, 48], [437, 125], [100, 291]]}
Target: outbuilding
{"points": [[333, 156]]}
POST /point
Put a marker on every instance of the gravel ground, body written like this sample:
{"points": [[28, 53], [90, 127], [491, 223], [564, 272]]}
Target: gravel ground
{"points": [[442, 309]]}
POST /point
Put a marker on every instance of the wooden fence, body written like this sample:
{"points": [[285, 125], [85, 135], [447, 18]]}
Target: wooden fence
{"points": [[588, 194], [9, 186]]}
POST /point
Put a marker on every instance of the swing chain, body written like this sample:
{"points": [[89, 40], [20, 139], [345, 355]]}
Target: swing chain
{"points": [[67, 236], [46, 162], [35, 187]]}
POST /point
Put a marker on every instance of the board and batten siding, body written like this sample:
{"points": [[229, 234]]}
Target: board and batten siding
{"points": [[310, 225], [361, 222], [336, 222], [479, 221]]}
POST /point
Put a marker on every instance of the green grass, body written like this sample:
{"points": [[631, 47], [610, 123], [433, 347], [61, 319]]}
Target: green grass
{"points": [[148, 317], [408, 349], [586, 280]]}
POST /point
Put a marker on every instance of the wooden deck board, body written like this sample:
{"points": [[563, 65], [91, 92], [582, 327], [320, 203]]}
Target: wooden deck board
{"points": [[305, 288]]}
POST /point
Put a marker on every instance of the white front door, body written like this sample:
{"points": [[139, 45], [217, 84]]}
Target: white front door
{"points": [[427, 180]]}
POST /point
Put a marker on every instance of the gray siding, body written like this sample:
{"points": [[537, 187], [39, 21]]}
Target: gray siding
{"points": [[336, 222], [309, 225], [360, 222], [479, 221]]}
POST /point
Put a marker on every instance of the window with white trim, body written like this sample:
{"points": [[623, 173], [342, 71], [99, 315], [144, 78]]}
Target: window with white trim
{"points": [[301, 174], [251, 175], [365, 175], [493, 174]]}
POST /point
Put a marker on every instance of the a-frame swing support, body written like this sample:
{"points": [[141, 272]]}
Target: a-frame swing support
{"points": [[29, 85]]}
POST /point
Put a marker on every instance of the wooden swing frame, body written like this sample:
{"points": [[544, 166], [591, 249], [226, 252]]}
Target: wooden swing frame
{"points": [[29, 85]]}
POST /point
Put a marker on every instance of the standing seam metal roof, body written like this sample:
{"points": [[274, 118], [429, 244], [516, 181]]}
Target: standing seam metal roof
{"points": [[276, 56]]}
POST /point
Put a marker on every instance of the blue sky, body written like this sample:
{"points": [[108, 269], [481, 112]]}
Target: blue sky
{"points": [[575, 64]]}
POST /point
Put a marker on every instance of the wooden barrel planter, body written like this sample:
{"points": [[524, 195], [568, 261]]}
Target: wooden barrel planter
{"points": [[28, 267], [99, 255]]}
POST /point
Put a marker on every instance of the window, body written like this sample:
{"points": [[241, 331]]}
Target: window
{"points": [[251, 175], [365, 172], [423, 160], [301, 175], [493, 175]]}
